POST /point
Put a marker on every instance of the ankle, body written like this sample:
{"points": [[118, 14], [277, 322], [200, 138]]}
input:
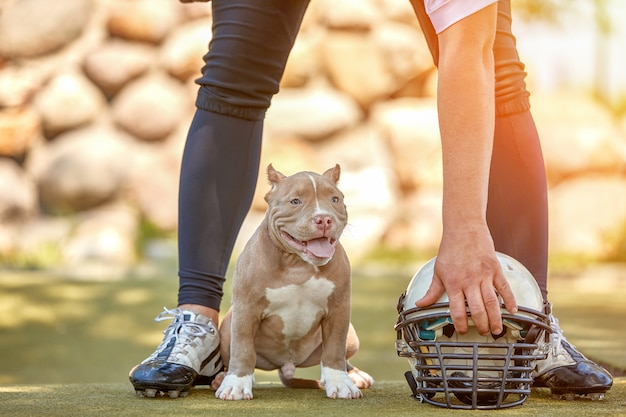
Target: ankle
{"points": [[204, 310]]}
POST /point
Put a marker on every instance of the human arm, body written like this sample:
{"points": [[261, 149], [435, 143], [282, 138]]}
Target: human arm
{"points": [[466, 266]]}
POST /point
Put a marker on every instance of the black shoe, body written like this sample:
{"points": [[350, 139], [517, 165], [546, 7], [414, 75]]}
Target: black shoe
{"points": [[189, 355], [568, 373]]}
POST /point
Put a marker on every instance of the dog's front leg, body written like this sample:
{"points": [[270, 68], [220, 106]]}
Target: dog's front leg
{"points": [[333, 363], [237, 384]]}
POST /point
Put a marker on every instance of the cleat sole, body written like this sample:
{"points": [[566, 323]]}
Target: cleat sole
{"points": [[570, 396], [157, 392]]}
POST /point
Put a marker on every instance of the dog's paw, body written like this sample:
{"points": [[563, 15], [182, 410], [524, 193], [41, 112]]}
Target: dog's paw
{"points": [[235, 387], [217, 381], [338, 384], [360, 378]]}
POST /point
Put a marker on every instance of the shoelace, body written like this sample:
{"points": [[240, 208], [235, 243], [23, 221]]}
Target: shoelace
{"points": [[556, 337], [185, 330]]}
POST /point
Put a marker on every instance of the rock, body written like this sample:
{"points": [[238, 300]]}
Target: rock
{"points": [[110, 84], [303, 64], [37, 241], [19, 127], [18, 194], [417, 226], [81, 169], [105, 235], [182, 52], [384, 59], [29, 28], [143, 20], [577, 136], [371, 206], [18, 85], [396, 11], [151, 107], [348, 14], [410, 127], [311, 113], [368, 183], [153, 186], [587, 215], [352, 63], [196, 10], [117, 62], [67, 102], [404, 50]]}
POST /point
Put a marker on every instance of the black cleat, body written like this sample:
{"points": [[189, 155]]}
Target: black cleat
{"points": [[189, 355], [568, 373]]}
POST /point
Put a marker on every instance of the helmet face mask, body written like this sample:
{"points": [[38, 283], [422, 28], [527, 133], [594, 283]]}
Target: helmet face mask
{"points": [[471, 371]]}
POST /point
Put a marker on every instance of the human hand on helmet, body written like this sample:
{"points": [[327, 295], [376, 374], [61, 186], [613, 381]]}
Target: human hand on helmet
{"points": [[467, 268]]}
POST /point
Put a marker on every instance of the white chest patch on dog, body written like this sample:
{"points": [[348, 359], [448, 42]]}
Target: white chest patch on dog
{"points": [[298, 305]]}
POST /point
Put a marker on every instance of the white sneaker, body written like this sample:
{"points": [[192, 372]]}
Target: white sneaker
{"points": [[567, 372], [189, 355]]}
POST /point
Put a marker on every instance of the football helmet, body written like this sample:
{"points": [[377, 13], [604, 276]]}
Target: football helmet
{"points": [[471, 371]]}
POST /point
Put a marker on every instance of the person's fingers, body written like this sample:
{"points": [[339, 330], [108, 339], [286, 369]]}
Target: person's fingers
{"points": [[458, 312], [433, 293], [506, 292], [480, 295], [492, 309]]}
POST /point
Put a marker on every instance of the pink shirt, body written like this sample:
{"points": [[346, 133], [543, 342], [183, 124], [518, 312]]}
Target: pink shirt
{"points": [[444, 13]]}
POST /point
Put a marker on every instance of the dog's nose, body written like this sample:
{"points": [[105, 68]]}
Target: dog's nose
{"points": [[323, 221]]}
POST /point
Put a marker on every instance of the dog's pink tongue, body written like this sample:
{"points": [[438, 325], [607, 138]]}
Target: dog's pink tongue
{"points": [[321, 247]]}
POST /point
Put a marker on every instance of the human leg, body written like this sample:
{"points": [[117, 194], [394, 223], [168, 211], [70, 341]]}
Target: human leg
{"points": [[250, 45], [517, 206], [218, 178], [517, 210], [517, 213]]}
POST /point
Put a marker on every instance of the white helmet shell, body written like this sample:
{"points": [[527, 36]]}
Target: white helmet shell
{"points": [[521, 281]]}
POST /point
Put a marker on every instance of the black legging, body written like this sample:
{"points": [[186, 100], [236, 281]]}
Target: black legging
{"points": [[251, 42]]}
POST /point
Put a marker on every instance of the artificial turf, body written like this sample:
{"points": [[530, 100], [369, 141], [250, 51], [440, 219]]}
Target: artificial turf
{"points": [[66, 346]]}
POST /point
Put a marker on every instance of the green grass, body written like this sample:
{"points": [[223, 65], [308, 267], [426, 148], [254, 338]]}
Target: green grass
{"points": [[58, 330], [66, 347], [271, 400]]}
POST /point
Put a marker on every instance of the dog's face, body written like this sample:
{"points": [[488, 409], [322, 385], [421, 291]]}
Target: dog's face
{"points": [[306, 213]]}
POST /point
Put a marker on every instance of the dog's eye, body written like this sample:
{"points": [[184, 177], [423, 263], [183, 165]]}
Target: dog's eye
{"points": [[335, 199], [295, 202]]}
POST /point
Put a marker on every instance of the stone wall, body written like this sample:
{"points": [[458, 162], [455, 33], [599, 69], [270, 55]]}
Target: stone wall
{"points": [[96, 97]]}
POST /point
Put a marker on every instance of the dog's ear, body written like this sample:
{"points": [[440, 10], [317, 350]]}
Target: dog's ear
{"points": [[274, 176], [333, 173]]}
